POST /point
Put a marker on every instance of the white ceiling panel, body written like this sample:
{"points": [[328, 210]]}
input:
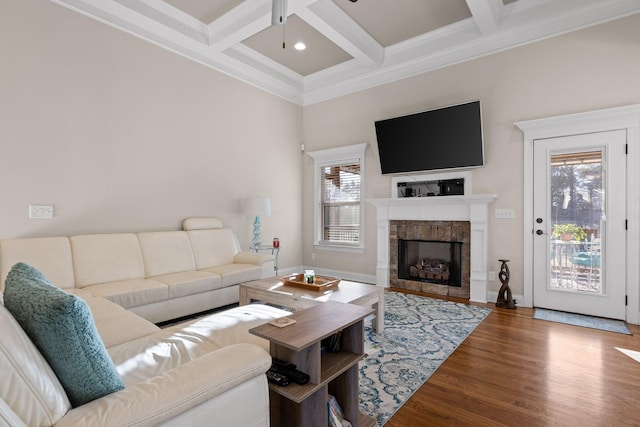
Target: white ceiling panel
{"points": [[320, 52], [351, 45], [391, 22]]}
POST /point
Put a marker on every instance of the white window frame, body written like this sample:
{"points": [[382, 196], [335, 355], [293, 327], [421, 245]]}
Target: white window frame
{"points": [[332, 157]]}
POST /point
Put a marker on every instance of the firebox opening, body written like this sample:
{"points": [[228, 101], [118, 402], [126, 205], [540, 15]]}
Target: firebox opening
{"points": [[430, 261]]}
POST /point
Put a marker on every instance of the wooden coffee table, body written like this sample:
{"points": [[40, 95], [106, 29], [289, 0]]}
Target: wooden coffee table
{"points": [[329, 372], [273, 291]]}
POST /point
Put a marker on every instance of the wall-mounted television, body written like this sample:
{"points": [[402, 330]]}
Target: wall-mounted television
{"points": [[444, 138]]}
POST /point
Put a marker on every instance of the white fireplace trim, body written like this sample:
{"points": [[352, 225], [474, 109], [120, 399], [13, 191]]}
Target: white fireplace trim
{"points": [[474, 208]]}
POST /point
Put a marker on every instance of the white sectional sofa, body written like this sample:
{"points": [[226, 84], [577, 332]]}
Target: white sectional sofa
{"points": [[159, 275], [208, 371]]}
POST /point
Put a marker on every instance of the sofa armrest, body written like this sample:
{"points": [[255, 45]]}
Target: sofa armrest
{"points": [[247, 257], [163, 397]]}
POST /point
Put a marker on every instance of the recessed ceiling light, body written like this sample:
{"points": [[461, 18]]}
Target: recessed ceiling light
{"points": [[300, 46]]}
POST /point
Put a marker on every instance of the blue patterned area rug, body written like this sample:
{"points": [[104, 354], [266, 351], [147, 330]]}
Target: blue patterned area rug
{"points": [[582, 320], [420, 333]]}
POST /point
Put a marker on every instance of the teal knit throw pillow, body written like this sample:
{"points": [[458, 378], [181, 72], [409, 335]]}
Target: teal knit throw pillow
{"points": [[62, 328]]}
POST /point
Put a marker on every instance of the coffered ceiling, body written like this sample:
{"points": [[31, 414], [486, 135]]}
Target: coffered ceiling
{"points": [[350, 45]]}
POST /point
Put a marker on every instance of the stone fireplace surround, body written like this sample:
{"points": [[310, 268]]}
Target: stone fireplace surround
{"points": [[435, 231], [471, 208]]}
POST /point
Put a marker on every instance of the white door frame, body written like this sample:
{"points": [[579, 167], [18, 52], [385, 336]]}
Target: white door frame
{"points": [[627, 118], [609, 301]]}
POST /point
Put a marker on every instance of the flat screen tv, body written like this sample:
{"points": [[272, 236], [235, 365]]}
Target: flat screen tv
{"points": [[444, 138]]}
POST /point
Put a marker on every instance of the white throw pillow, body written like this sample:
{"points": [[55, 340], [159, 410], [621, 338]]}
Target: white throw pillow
{"points": [[28, 384]]}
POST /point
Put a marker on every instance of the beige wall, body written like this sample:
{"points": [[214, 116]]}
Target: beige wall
{"points": [[122, 135], [586, 70]]}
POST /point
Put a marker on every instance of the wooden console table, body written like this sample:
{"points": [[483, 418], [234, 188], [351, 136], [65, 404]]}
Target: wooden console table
{"points": [[330, 373]]}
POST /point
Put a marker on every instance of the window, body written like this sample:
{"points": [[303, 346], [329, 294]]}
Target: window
{"points": [[338, 190]]}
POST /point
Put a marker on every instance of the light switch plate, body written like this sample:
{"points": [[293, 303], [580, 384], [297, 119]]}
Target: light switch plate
{"points": [[40, 211], [505, 213]]}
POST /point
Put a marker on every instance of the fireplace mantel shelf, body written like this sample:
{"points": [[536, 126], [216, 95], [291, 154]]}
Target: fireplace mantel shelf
{"points": [[472, 208], [438, 200]]}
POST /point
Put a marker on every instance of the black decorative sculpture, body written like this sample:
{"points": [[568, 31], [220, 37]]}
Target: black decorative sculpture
{"points": [[505, 298]]}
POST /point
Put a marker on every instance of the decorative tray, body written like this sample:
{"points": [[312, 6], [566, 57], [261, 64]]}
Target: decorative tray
{"points": [[321, 283]]}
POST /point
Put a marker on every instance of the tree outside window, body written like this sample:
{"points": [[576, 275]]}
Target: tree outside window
{"points": [[338, 190], [341, 203], [576, 190]]}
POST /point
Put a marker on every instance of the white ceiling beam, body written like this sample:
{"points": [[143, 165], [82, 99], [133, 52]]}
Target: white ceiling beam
{"points": [[169, 16], [266, 66], [157, 25], [486, 14], [242, 22], [335, 24]]}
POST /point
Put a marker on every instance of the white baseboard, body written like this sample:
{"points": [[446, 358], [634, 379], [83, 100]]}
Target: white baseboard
{"points": [[492, 296]]}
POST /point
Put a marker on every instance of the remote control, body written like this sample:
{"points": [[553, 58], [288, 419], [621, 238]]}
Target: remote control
{"points": [[282, 363], [291, 374], [276, 378]]}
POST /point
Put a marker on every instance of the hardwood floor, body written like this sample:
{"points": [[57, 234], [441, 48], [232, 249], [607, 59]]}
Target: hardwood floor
{"points": [[514, 370]]}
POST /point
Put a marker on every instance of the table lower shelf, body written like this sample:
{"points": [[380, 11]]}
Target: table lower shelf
{"points": [[333, 365]]}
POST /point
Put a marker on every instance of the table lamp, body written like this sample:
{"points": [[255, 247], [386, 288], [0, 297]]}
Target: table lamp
{"points": [[258, 206]]}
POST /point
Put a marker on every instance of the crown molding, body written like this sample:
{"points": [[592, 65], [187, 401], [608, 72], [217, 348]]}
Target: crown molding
{"points": [[337, 26], [492, 28]]}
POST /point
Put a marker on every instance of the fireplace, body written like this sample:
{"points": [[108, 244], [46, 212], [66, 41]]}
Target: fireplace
{"points": [[430, 261], [431, 256], [472, 210]]}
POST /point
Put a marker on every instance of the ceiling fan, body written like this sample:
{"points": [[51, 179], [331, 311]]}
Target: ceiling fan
{"points": [[279, 15], [279, 12]]}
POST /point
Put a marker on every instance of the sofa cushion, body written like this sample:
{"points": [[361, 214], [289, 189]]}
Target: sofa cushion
{"points": [[51, 255], [233, 274], [158, 353], [213, 247], [232, 326], [8, 418], [115, 324], [254, 258], [28, 385], [166, 252], [190, 282], [155, 354], [101, 258], [62, 328], [131, 293]]}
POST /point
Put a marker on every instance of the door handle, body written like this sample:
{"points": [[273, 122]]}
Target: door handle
{"points": [[539, 232]]}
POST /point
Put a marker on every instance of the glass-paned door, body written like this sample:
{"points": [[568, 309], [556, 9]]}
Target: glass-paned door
{"points": [[579, 214], [576, 219]]}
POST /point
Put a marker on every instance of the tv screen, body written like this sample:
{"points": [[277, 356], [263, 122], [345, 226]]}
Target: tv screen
{"points": [[445, 138]]}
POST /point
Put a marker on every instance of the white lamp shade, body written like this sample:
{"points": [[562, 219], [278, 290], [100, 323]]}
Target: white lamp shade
{"points": [[258, 206]]}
